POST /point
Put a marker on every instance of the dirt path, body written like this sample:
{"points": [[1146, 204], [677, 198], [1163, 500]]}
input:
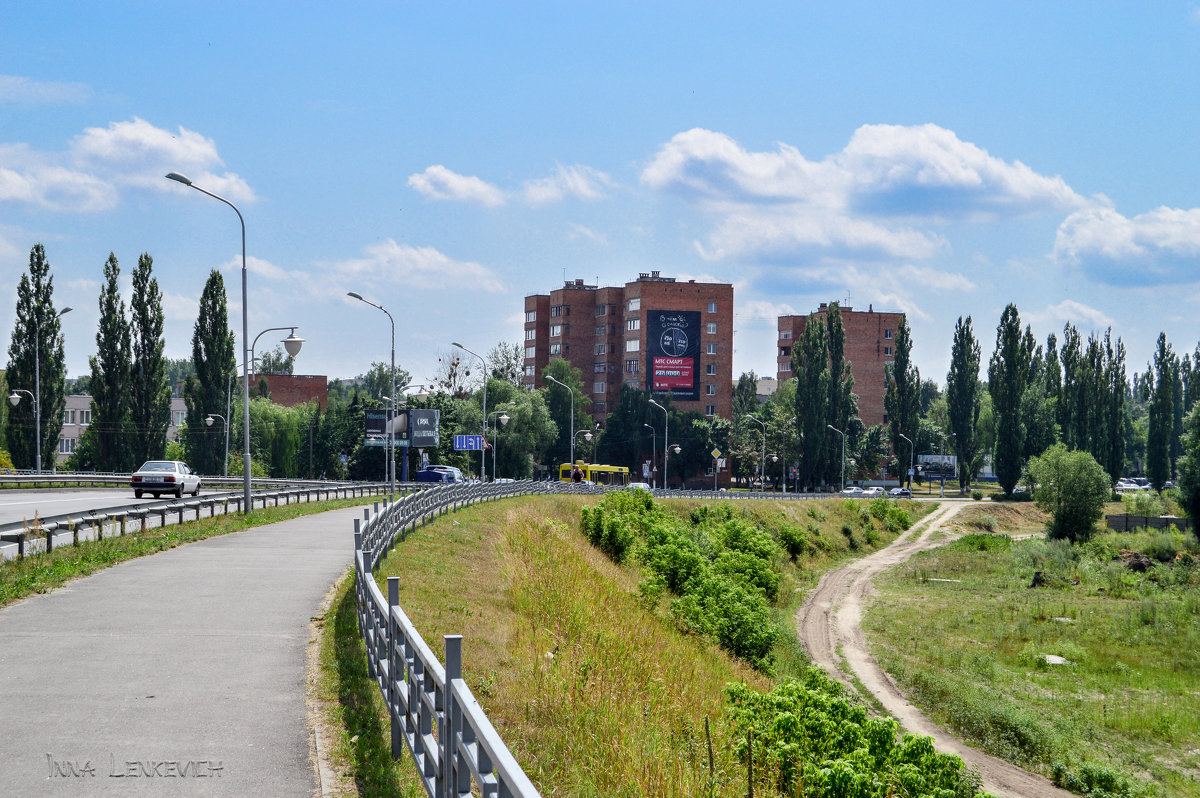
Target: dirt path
{"points": [[830, 619]]}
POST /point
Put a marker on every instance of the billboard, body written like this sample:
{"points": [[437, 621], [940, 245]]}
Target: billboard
{"points": [[376, 419], [673, 353], [422, 430], [938, 465], [418, 428]]}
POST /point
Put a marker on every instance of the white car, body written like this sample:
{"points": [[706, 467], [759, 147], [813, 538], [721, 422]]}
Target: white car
{"points": [[164, 476], [872, 492], [639, 486], [853, 491]]}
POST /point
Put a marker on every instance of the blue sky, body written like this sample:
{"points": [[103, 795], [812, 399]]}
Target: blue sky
{"points": [[445, 160]]}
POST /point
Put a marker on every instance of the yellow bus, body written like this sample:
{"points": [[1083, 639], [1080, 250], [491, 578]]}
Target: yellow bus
{"points": [[596, 474]]}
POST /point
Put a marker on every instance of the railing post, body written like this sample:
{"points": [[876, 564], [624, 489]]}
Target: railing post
{"points": [[393, 702], [446, 740]]}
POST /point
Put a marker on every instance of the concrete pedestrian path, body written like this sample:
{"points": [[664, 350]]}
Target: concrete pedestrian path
{"points": [[182, 673]]}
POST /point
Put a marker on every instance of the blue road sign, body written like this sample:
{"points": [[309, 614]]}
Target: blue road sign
{"points": [[468, 443]]}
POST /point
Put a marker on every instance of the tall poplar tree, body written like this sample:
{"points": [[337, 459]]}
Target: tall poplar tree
{"points": [[36, 324], [1008, 373], [962, 397], [150, 392], [110, 383], [213, 354], [1161, 415], [810, 364], [1116, 408], [842, 404], [903, 398]]}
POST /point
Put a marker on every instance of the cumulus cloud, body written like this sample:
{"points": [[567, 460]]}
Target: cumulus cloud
{"points": [[906, 288], [877, 196], [1156, 247], [1079, 314], [17, 89], [422, 269], [439, 183], [582, 182], [578, 231]]}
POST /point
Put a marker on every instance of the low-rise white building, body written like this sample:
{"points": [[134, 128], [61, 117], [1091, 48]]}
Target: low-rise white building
{"points": [[77, 414]]}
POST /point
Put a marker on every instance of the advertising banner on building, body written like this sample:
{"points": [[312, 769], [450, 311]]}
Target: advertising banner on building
{"points": [[673, 353]]}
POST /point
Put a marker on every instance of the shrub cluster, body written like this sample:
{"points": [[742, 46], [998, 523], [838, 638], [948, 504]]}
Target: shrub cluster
{"points": [[807, 738]]}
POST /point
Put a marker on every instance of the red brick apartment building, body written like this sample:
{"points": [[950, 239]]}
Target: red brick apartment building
{"points": [[654, 333], [870, 342]]}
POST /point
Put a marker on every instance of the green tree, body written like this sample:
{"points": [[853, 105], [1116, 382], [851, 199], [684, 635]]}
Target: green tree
{"points": [[810, 364], [842, 403], [150, 390], [1008, 374], [214, 361], [377, 382], [626, 441], [963, 396], [1189, 468], [506, 362], [1073, 488], [1116, 408], [528, 433], [110, 383], [1161, 418], [178, 371], [36, 321], [558, 400], [902, 401], [275, 361]]}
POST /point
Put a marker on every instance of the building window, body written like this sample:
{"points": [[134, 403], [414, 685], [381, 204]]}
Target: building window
{"points": [[601, 329], [712, 349], [634, 304], [633, 324], [600, 309], [598, 407], [555, 330], [710, 410], [530, 370], [633, 384], [887, 334], [599, 367], [66, 445], [887, 351], [785, 335], [600, 349], [530, 353], [710, 369], [633, 345], [712, 328], [85, 417], [710, 389], [785, 351], [598, 387], [712, 307], [556, 349], [612, 310], [555, 311], [68, 416], [531, 334], [785, 366], [531, 315], [180, 417], [631, 366]]}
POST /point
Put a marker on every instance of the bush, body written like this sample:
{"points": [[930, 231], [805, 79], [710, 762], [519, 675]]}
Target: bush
{"points": [[977, 495], [1145, 503], [1073, 488]]}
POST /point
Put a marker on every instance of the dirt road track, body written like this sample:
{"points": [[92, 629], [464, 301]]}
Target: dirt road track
{"points": [[831, 617]]}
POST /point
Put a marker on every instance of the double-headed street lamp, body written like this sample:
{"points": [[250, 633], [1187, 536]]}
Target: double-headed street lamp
{"points": [[483, 366], [666, 442], [291, 344], [208, 421], [910, 460], [571, 391], [501, 421], [15, 397], [392, 420], [178, 178], [763, 467], [839, 432]]}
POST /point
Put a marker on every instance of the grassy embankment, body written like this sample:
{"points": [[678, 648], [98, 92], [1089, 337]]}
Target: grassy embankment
{"points": [[1122, 717], [38, 573], [590, 680]]}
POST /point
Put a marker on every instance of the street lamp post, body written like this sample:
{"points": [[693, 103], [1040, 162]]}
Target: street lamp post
{"points": [[782, 475], [395, 410], [785, 465], [587, 435], [571, 391], [763, 468], [839, 432], [502, 420], [653, 450], [483, 365], [14, 398], [666, 442], [245, 338], [910, 459], [392, 419], [208, 421]]}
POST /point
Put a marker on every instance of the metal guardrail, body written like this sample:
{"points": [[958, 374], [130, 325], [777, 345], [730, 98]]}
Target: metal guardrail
{"points": [[174, 511], [433, 713]]}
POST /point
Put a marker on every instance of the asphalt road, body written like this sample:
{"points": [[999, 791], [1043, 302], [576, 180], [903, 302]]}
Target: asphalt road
{"points": [[180, 674]]}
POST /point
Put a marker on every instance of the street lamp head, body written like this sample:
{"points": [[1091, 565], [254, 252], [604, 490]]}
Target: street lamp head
{"points": [[503, 419], [293, 343], [208, 421], [14, 398], [354, 294], [676, 449], [587, 436], [178, 178], [65, 311], [456, 343]]}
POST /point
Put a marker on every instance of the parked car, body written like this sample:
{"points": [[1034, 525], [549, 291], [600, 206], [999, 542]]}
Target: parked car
{"points": [[164, 476], [440, 473], [872, 492], [852, 491], [639, 486], [900, 493]]}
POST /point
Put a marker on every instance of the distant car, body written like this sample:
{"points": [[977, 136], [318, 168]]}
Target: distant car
{"points": [[440, 473], [639, 486], [852, 491], [164, 476], [872, 492], [900, 493], [1168, 485]]}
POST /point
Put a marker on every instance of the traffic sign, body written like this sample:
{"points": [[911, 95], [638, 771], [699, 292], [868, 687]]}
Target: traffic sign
{"points": [[468, 443], [716, 453]]}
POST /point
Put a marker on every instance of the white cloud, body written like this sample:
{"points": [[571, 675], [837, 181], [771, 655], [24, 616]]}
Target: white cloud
{"points": [[438, 182], [1081, 315], [758, 311], [17, 89], [578, 181], [259, 268], [873, 198], [1159, 246], [401, 267], [578, 231]]}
